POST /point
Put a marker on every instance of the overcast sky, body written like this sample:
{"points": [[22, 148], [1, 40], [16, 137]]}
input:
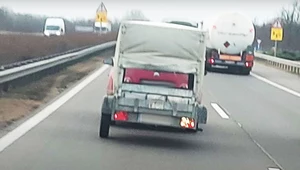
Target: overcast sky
{"points": [[156, 10]]}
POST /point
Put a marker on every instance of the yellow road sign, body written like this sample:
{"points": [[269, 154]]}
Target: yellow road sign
{"points": [[276, 34], [101, 17]]}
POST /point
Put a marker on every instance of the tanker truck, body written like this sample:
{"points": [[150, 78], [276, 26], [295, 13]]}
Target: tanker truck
{"points": [[231, 36]]}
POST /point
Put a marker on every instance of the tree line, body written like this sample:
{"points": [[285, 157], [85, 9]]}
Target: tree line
{"points": [[290, 19], [288, 48], [11, 21]]}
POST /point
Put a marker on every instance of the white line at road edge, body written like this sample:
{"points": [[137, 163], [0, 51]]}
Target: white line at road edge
{"points": [[14, 135], [219, 110], [276, 85]]}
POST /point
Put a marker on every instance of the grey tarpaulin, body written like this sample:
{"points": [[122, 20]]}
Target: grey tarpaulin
{"points": [[161, 46]]}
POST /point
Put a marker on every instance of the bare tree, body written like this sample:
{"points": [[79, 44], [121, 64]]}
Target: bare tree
{"points": [[135, 15], [291, 16], [115, 25]]}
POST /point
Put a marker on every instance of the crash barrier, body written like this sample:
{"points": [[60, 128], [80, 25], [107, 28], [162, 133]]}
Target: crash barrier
{"points": [[287, 65], [8, 75]]}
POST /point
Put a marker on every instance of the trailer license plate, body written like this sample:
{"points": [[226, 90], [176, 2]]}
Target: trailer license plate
{"points": [[155, 119], [156, 105]]}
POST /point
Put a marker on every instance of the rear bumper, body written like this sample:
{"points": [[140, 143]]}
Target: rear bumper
{"points": [[223, 64], [147, 116], [152, 119]]}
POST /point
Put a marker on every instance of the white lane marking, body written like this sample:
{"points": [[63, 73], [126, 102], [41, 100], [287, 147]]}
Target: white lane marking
{"points": [[219, 110], [14, 135], [276, 85], [240, 125], [273, 169]]}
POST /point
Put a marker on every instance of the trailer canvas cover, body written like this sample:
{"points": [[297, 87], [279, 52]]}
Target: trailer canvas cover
{"points": [[161, 46]]}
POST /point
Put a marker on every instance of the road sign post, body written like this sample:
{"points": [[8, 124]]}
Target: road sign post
{"points": [[276, 35], [258, 44], [101, 15]]}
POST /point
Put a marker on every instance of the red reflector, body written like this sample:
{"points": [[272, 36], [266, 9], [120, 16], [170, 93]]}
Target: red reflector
{"points": [[121, 116], [214, 27]]}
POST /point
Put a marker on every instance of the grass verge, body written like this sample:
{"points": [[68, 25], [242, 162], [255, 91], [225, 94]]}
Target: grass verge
{"points": [[21, 101]]}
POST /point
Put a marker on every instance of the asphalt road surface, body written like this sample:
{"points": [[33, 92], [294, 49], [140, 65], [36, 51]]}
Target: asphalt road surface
{"points": [[251, 126]]}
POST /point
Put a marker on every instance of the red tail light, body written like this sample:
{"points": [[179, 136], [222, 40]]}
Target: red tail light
{"points": [[248, 64], [121, 116], [186, 122], [211, 61], [249, 57]]}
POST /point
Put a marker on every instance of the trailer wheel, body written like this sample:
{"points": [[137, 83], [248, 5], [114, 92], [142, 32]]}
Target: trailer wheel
{"points": [[104, 126]]}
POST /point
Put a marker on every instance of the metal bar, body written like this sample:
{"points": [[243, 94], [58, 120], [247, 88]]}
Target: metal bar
{"points": [[21, 71]]}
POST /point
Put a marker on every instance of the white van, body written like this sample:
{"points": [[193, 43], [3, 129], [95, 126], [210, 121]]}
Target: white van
{"points": [[54, 27]]}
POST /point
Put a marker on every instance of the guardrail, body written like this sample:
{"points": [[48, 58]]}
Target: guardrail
{"points": [[24, 62], [287, 65], [25, 70], [21, 33]]}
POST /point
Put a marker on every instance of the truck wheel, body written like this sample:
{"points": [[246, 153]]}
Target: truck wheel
{"points": [[104, 125]]}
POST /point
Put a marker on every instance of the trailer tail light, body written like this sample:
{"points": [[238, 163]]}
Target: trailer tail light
{"points": [[249, 57], [211, 61], [186, 122], [121, 116]]}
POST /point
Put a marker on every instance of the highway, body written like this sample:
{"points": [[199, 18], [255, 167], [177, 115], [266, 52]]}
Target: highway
{"points": [[259, 130]]}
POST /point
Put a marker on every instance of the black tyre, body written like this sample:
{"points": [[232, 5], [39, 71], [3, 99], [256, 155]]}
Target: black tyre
{"points": [[104, 126]]}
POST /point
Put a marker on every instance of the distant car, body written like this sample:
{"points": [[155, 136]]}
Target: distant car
{"points": [[54, 27]]}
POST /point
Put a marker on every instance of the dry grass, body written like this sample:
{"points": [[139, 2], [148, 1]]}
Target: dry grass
{"points": [[15, 48], [21, 101]]}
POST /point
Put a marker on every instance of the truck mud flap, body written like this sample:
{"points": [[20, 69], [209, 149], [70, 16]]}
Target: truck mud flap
{"points": [[202, 114]]}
